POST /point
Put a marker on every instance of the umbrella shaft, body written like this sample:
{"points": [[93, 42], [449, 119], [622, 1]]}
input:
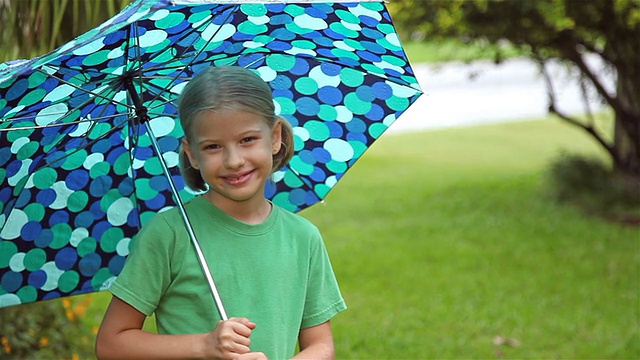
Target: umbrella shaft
{"points": [[187, 223]]}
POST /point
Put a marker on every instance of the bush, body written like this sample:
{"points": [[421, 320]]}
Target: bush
{"points": [[596, 188], [52, 329]]}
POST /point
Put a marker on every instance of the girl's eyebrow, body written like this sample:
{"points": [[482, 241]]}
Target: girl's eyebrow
{"points": [[241, 135]]}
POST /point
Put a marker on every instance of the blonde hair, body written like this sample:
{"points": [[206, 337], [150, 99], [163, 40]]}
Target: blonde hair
{"points": [[229, 87]]}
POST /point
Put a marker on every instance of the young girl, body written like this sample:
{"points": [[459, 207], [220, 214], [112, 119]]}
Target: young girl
{"points": [[271, 267]]}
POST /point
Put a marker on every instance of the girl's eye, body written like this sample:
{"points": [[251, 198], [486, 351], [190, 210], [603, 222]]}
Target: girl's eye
{"points": [[248, 139], [211, 147]]}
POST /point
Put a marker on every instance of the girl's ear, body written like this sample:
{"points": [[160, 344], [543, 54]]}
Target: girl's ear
{"points": [[276, 137], [187, 150]]}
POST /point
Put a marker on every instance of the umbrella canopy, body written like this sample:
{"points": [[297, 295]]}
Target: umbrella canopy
{"points": [[82, 127]]}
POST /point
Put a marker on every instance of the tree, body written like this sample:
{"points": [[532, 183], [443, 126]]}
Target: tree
{"points": [[564, 30], [35, 27]]}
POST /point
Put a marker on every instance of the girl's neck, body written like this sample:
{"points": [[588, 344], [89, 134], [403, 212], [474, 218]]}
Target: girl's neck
{"points": [[253, 211]]}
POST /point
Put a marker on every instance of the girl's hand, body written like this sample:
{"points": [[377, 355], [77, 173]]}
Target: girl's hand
{"points": [[230, 339]]}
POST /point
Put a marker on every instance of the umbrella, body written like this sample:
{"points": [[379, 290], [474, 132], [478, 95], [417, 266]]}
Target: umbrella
{"points": [[89, 136]]}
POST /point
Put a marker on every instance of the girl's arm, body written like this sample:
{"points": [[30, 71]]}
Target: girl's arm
{"points": [[316, 342], [121, 336]]}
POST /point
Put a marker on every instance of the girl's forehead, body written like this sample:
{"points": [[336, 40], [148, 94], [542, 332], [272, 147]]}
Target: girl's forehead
{"points": [[228, 121]]}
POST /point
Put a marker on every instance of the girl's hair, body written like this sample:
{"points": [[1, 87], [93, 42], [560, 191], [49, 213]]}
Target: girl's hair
{"points": [[235, 88]]}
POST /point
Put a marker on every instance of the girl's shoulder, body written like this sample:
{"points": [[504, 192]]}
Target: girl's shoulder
{"points": [[294, 220]]}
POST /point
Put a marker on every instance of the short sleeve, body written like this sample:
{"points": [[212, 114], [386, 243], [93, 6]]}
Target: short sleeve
{"points": [[323, 299]]}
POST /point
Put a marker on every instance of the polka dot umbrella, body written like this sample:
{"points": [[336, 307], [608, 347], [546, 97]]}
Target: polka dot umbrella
{"points": [[82, 126]]}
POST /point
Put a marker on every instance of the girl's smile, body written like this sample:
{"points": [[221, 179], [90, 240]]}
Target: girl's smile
{"points": [[238, 179]]}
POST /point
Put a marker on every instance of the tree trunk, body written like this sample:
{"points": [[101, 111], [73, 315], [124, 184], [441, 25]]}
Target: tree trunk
{"points": [[626, 144]]}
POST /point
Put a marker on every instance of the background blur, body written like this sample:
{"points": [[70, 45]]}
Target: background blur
{"points": [[498, 218]]}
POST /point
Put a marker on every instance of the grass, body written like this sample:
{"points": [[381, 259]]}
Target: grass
{"points": [[450, 241], [455, 50], [444, 240]]}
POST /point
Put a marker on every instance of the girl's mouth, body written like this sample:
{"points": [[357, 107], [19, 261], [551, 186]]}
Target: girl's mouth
{"points": [[238, 179]]}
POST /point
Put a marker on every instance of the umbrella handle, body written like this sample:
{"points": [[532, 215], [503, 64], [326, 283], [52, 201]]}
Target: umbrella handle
{"points": [[187, 224]]}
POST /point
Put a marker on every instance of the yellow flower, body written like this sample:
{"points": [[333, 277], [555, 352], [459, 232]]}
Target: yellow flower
{"points": [[70, 315], [75, 357], [43, 341], [5, 345]]}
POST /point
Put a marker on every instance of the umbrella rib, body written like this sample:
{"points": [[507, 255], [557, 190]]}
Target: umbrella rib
{"points": [[195, 55], [98, 95], [51, 125]]}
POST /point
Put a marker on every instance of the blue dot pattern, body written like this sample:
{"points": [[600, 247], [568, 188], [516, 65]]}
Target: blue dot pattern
{"points": [[79, 176]]}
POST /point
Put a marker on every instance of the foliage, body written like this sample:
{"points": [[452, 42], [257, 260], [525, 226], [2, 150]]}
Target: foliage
{"points": [[35, 27], [53, 329], [567, 30]]}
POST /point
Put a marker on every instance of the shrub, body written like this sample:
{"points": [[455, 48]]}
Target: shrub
{"points": [[596, 188], [50, 329]]}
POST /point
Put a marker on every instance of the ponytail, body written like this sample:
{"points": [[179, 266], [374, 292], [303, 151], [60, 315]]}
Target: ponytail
{"points": [[191, 175]]}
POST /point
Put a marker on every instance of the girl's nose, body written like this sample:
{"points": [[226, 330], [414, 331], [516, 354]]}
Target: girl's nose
{"points": [[233, 158]]}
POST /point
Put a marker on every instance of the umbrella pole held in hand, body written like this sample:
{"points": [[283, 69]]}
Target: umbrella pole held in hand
{"points": [[143, 118]]}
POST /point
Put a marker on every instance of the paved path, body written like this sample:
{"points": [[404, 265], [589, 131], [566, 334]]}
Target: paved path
{"points": [[457, 94]]}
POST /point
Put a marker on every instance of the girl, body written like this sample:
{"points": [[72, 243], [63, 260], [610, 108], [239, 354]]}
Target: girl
{"points": [[270, 266]]}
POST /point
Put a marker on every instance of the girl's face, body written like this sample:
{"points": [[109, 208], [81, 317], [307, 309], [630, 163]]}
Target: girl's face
{"points": [[233, 150]]}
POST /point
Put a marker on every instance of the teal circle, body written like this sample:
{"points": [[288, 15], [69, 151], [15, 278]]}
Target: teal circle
{"points": [[7, 251], [122, 164], [27, 150], [356, 105], [34, 259], [376, 130], [87, 246], [327, 113], [32, 97], [321, 190], [36, 79], [77, 201], [153, 166], [280, 63], [96, 58], [75, 160], [318, 130], [99, 130], [253, 9], [306, 86], [100, 278], [170, 20], [35, 211], [337, 167], [27, 294], [300, 167], [287, 106], [351, 77], [99, 169], [68, 281], [397, 103], [110, 238], [61, 235], [144, 191]]}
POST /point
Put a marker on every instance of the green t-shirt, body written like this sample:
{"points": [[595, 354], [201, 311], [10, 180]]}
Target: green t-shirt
{"points": [[276, 273]]}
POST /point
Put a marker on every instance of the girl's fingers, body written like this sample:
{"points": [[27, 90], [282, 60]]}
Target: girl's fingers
{"points": [[244, 321]]}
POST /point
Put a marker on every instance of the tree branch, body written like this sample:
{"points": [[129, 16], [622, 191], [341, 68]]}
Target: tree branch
{"points": [[554, 110]]}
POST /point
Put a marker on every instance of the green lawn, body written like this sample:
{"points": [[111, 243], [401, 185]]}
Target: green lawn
{"points": [[454, 50], [444, 240]]}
